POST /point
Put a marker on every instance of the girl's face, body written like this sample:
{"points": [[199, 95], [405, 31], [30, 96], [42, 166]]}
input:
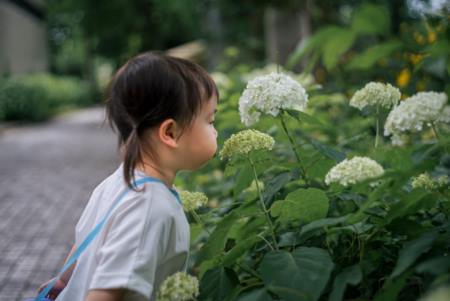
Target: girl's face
{"points": [[198, 143]]}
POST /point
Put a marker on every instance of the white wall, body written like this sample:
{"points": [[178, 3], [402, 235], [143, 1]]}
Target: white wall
{"points": [[23, 41]]}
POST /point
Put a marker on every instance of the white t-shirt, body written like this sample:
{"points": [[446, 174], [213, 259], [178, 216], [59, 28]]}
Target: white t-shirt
{"points": [[144, 240]]}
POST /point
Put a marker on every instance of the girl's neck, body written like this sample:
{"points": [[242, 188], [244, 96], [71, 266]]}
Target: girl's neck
{"points": [[151, 170]]}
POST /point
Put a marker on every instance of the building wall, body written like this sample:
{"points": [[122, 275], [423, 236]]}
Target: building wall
{"points": [[23, 41]]}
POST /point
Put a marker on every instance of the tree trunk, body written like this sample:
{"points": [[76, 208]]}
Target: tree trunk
{"points": [[284, 30]]}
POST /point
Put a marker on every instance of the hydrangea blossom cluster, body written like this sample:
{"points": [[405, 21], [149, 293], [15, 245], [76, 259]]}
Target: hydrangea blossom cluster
{"points": [[425, 181], [445, 115], [193, 200], [178, 287], [373, 94], [244, 142], [423, 108], [354, 170], [269, 94], [305, 79]]}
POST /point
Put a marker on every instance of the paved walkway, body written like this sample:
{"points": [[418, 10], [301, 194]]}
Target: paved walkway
{"points": [[47, 173]]}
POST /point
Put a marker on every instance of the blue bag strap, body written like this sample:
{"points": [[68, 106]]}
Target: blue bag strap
{"points": [[94, 232]]}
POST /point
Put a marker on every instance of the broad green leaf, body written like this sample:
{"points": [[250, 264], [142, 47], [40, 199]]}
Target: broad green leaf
{"points": [[195, 231], [239, 249], [371, 19], [302, 205], [435, 266], [410, 204], [311, 44], [351, 275], [297, 276], [335, 46], [255, 295], [303, 117], [243, 179], [371, 55], [392, 287], [411, 251], [277, 183], [326, 150], [216, 241], [217, 283], [321, 223]]}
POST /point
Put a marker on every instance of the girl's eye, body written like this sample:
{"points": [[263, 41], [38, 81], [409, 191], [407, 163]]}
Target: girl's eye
{"points": [[212, 122]]}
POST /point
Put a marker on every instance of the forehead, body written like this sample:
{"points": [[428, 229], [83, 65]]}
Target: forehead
{"points": [[210, 105]]}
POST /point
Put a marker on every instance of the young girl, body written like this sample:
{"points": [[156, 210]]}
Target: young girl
{"points": [[163, 110]]}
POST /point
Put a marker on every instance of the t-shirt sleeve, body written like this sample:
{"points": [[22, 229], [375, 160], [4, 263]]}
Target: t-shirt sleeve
{"points": [[136, 243]]}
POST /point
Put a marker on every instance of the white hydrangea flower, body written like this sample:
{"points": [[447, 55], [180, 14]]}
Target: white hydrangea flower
{"points": [[304, 79], [244, 142], [374, 94], [445, 115], [178, 287], [354, 170], [269, 94], [193, 200], [413, 113], [425, 181]]}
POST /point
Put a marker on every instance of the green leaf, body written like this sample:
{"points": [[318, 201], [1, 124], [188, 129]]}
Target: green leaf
{"points": [[371, 19], [303, 117], [243, 179], [302, 205], [216, 241], [322, 223], [392, 287], [410, 204], [297, 276], [351, 275], [435, 266], [371, 55], [239, 249], [277, 183], [411, 251], [335, 46], [255, 295], [217, 283], [312, 44], [327, 151]]}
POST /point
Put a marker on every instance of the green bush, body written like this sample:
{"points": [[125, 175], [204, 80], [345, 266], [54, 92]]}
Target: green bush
{"points": [[36, 97], [19, 101]]}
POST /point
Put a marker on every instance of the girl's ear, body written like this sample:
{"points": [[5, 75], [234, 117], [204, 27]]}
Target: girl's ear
{"points": [[168, 132]]}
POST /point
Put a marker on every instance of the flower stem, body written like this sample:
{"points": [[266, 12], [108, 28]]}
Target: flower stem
{"points": [[199, 221], [294, 148], [378, 126], [438, 137], [263, 206]]}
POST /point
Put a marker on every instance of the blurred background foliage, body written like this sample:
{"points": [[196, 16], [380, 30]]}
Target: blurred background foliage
{"points": [[341, 43]]}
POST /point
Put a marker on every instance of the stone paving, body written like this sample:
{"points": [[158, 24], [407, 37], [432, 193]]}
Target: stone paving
{"points": [[47, 173]]}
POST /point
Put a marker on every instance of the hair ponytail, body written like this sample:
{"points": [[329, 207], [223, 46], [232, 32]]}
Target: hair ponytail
{"points": [[131, 157]]}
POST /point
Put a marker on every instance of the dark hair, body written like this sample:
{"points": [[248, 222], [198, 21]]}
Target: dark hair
{"points": [[145, 91]]}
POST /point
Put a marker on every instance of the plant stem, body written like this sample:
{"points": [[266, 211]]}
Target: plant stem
{"points": [[438, 137], [291, 140], [378, 126], [263, 206], [199, 221]]}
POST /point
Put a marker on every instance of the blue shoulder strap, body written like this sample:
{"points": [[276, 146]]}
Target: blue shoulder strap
{"points": [[94, 232]]}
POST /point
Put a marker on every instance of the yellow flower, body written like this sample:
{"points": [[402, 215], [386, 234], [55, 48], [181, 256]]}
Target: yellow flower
{"points": [[403, 78], [431, 36], [416, 58], [419, 38]]}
